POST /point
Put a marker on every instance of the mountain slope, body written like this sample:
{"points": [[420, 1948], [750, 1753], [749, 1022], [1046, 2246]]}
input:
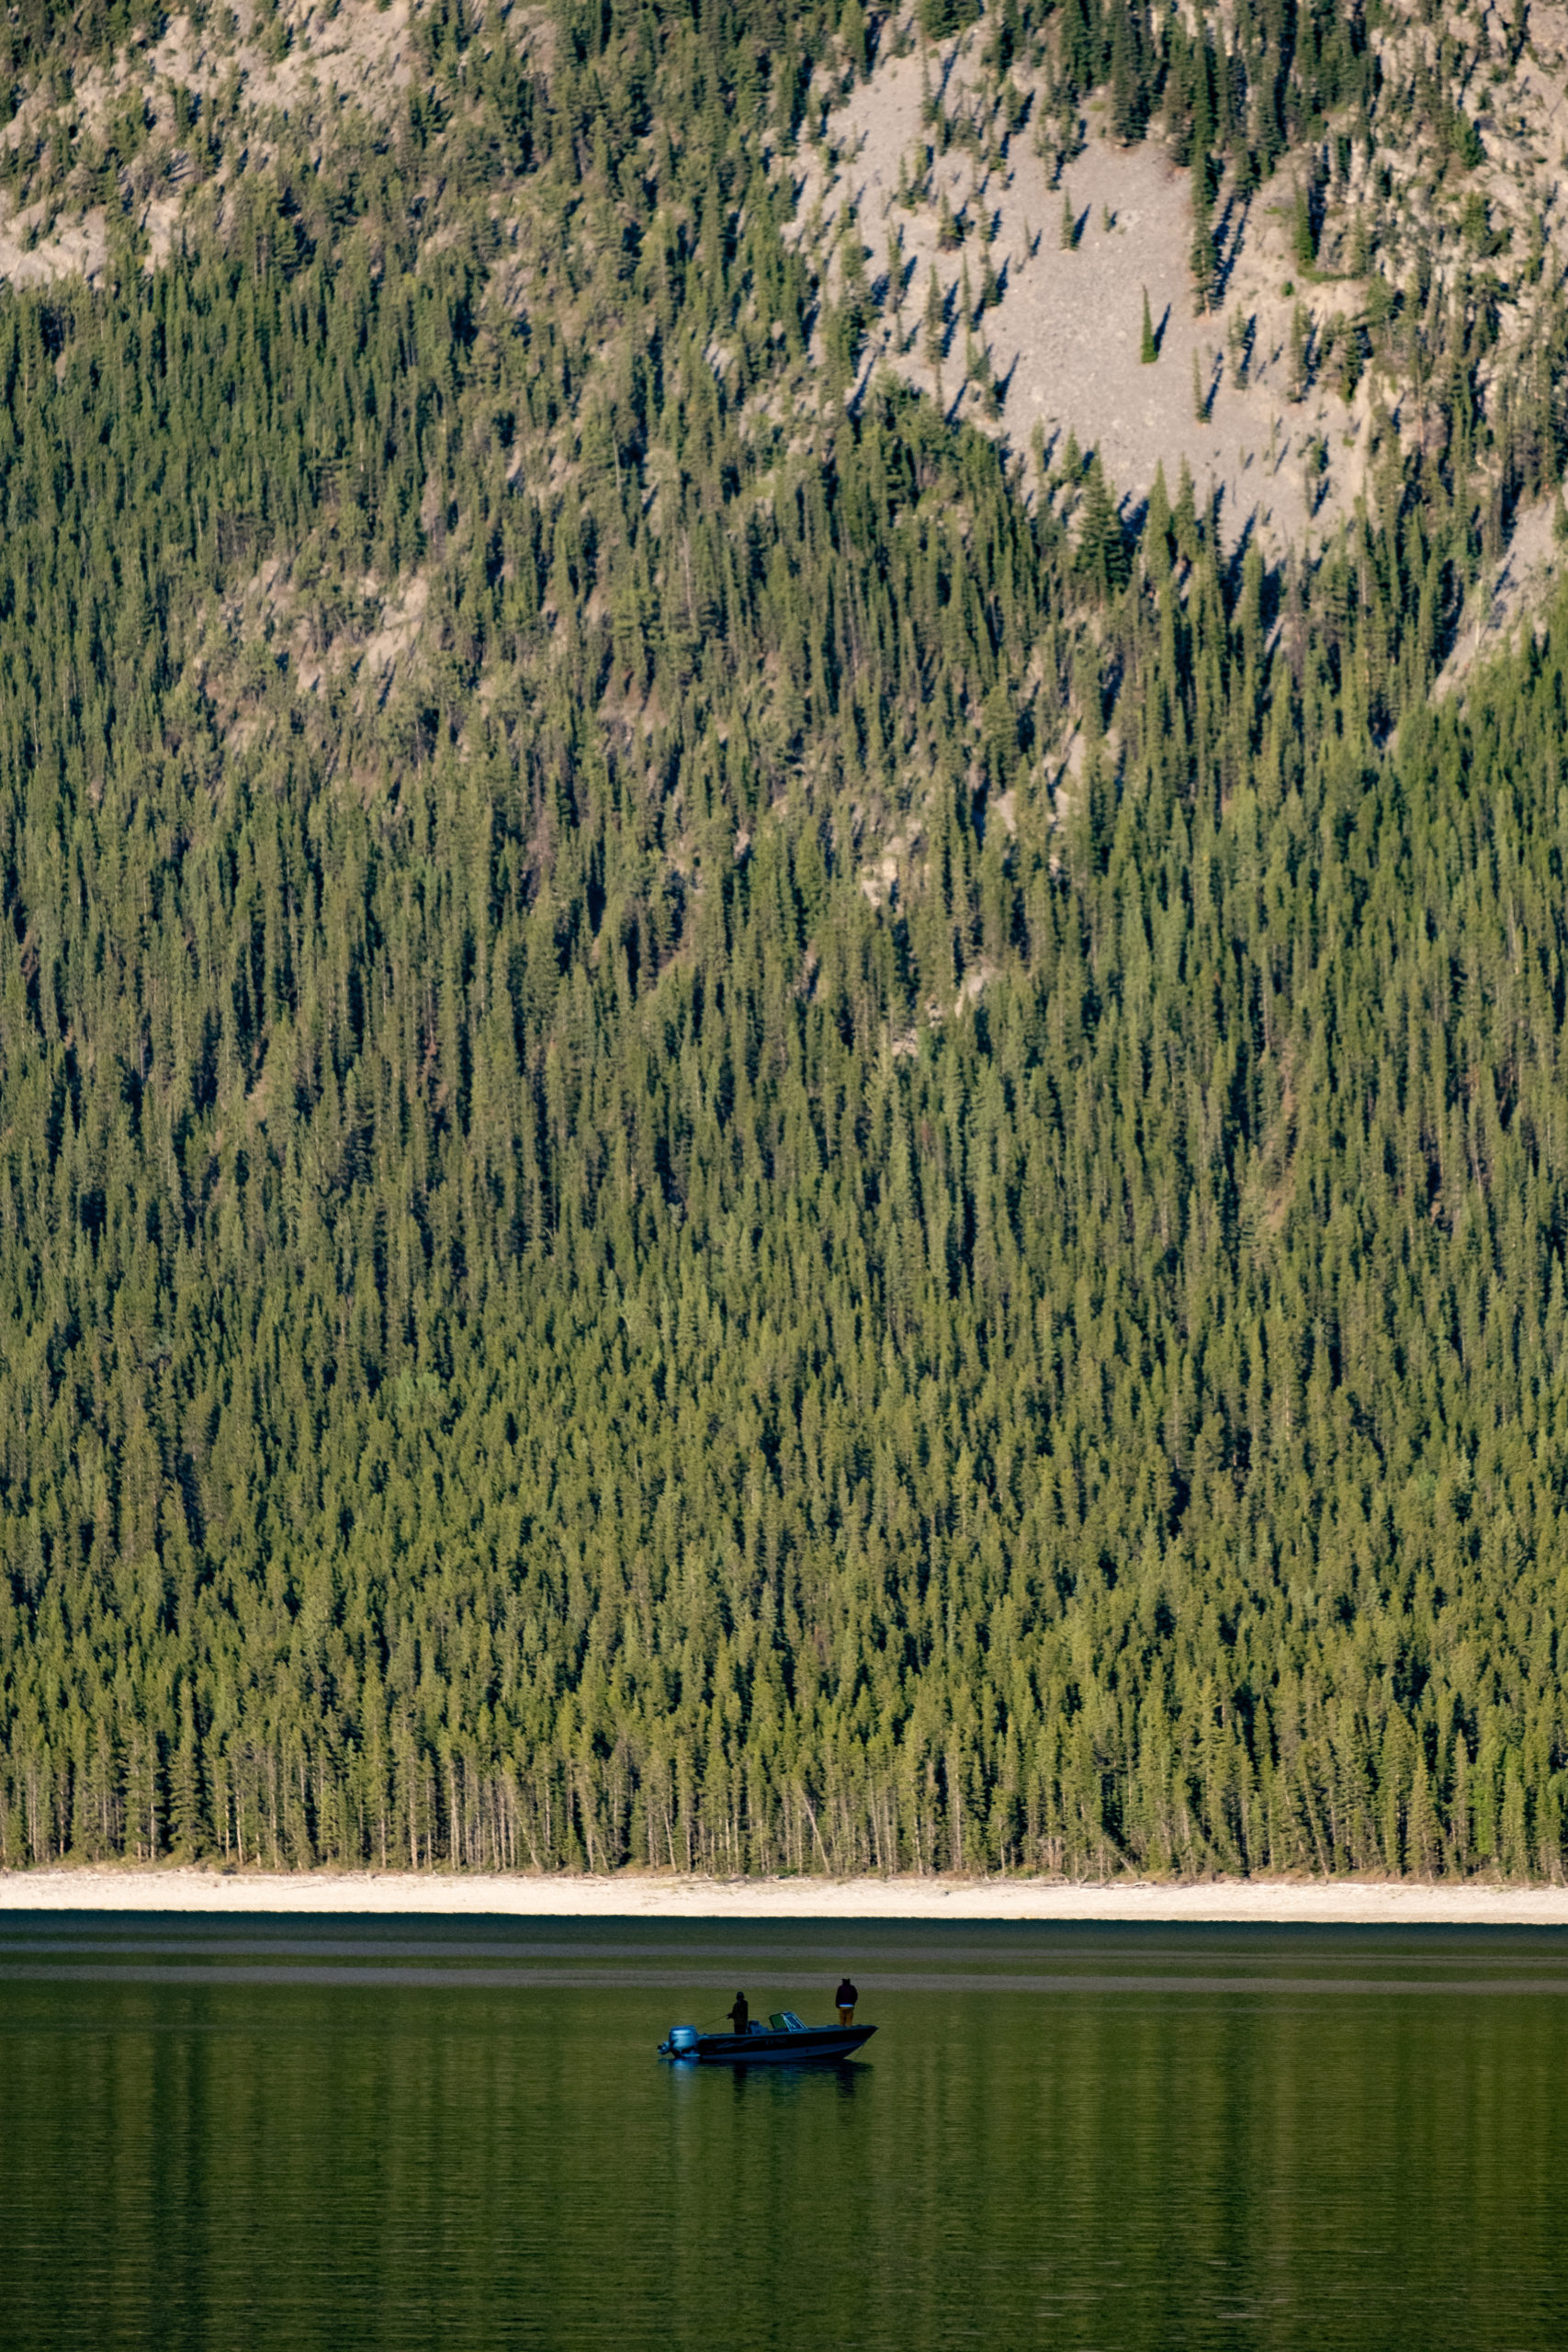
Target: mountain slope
{"points": [[730, 1131]]}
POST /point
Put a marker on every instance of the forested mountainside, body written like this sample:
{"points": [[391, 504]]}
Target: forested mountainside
{"points": [[734, 1130]]}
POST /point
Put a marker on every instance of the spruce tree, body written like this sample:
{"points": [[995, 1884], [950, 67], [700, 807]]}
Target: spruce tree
{"points": [[935, 345], [1101, 551], [1296, 368], [1158, 546], [1204, 262]]}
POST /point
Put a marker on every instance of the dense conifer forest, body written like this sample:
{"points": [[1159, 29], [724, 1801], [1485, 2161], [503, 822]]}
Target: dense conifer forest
{"points": [[550, 1313]]}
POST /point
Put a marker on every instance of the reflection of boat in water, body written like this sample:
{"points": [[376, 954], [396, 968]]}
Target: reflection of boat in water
{"points": [[784, 2039]]}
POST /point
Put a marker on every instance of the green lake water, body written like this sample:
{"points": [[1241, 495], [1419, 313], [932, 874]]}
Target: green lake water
{"points": [[364, 2133]]}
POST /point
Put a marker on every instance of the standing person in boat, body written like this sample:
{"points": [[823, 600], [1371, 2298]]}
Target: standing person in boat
{"points": [[740, 2015], [846, 1997]]}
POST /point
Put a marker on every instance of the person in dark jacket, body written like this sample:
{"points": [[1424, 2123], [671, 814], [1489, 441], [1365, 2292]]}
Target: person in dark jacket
{"points": [[846, 1997], [740, 2015]]}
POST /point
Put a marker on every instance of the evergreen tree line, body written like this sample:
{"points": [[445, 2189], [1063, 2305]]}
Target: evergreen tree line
{"points": [[677, 1241]]}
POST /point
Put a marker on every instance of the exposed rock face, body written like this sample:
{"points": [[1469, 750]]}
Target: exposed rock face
{"points": [[1445, 194]]}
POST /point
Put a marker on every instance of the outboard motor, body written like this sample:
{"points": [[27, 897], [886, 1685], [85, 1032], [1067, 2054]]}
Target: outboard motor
{"points": [[682, 2040]]}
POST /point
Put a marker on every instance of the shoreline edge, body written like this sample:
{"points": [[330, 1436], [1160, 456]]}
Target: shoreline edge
{"points": [[1350, 1901]]}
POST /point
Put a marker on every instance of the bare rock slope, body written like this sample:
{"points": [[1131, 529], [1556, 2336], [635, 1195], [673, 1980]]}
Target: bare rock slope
{"points": [[1281, 391]]}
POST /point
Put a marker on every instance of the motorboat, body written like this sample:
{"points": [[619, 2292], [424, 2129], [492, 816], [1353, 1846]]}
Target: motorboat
{"points": [[782, 2041]]}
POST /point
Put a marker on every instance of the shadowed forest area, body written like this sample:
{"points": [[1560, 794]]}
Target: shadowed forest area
{"points": [[635, 1223]]}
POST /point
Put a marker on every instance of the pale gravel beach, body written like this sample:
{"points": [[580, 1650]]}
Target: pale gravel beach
{"points": [[1343, 1902]]}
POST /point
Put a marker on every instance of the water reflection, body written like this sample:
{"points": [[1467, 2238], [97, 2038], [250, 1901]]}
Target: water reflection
{"points": [[1234, 2148], [821, 2080]]}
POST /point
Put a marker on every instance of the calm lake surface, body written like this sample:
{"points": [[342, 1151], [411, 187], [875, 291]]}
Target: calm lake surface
{"points": [[345, 2132]]}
